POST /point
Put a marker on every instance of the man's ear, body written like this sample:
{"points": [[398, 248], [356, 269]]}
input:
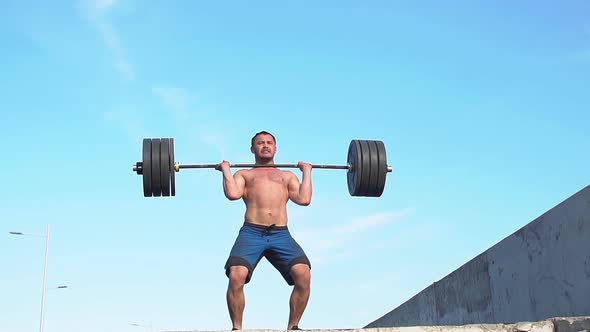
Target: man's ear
{"points": [[252, 149]]}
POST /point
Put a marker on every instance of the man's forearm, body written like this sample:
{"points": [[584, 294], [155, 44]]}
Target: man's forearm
{"points": [[230, 188], [305, 189]]}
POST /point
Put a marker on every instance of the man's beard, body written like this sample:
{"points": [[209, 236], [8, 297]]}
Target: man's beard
{"points": [[265, 159]]}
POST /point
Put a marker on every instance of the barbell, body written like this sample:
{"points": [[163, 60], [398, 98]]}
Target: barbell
{"points": [[366, 167]]}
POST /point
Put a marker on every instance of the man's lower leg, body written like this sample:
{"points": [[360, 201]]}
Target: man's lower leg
{"points": [[297, 304], [235, 305]]}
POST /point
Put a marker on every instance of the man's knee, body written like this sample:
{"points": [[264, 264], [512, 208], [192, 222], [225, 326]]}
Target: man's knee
{"points": [[237, 276], [301, 275]]}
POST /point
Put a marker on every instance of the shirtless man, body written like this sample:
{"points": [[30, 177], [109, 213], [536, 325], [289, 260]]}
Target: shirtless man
{"points": [[265, 192]]}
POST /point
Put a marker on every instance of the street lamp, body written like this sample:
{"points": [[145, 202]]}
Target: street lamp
{"points": [[46, 236]]}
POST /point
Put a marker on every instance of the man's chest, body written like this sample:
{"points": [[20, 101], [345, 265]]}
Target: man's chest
{"points": [[266, 178]]}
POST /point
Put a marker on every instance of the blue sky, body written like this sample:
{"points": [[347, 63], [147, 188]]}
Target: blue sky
{"points": [[483, 108]]}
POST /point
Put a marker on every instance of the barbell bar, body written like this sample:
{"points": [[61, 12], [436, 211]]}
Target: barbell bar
{"points": [[366, 167]]}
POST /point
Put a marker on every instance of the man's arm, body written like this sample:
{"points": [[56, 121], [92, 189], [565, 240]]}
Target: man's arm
{"points": [[300, 193], [233, 185]]}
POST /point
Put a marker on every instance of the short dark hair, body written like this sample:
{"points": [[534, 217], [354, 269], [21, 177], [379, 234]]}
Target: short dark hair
{"points": [[261, 133]]}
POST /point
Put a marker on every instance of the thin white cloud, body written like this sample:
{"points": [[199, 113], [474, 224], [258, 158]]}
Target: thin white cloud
{"points": [[185, 104], [192, 117], [327, 243], [129, 121], [112, 41], [100, 6], [371, 221], [177, 98], [178, 104], [98, 11], [216, 139], [317, 239]]}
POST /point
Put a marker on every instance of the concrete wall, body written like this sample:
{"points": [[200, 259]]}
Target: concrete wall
{"points": [[540, 271]]}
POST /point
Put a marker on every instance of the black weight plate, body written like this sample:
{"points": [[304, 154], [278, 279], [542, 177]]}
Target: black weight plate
{"points": [[353, 160], [165, 166], [172, 169], [147, 167], [365, 169], [156, 182], [382, 168], [373, 158]]}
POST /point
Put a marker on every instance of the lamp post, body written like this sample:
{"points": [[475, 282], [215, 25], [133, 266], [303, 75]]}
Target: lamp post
{"points": [[46, 236]]}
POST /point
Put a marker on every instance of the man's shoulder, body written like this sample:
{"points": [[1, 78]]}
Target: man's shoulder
{"points": [[241, 172], [288, 173]]}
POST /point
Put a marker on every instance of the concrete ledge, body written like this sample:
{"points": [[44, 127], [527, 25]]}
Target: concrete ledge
{"points": [[558, 324], [571, 324]]}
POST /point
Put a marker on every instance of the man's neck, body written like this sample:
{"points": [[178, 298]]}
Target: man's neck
{"points": [[264, 161]]}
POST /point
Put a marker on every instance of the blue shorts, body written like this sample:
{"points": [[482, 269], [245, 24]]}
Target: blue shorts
{"points": [[273, 242]]}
